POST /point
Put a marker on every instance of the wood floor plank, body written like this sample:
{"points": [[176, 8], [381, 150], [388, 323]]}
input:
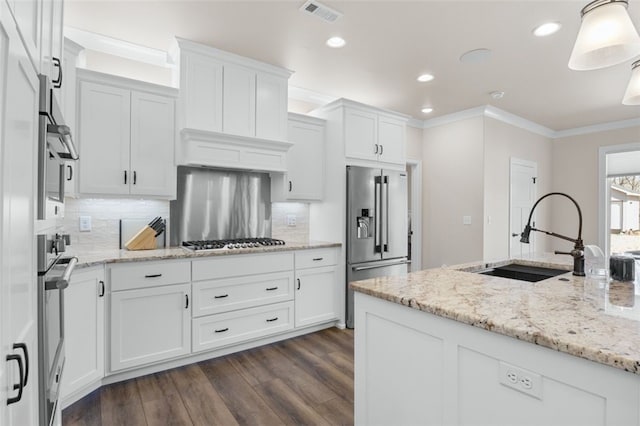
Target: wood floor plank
{"points": [[203, 403], [251, 366], [288, 405], [342, 337], [341, 362], [85, 412], [337, 411], [243, 401], [324, 371], [161, 400], [121, 405]]}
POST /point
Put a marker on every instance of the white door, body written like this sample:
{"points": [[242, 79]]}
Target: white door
{"points": [[391, 140], [271, 107], [84, 330], [152, 145], [361, 135], [104, 123], [201, 92], [305, 161], [150, 325], [18, 275], [316, 295], [522, 197]]}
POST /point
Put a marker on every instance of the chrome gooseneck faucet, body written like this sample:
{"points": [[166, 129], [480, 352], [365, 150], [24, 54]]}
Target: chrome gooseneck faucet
{"points": [[578, 249]]}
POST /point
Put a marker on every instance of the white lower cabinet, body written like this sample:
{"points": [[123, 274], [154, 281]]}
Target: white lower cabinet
{"points": [[316, 286], [215, 331], [149, 325], [84, 330]]}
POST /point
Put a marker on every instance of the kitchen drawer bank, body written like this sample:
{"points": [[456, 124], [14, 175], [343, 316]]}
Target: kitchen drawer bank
{"points": [[167, 308]]}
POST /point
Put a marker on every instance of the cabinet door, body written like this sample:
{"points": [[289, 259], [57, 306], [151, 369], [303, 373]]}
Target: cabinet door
{"points": [[271, 107], [201, 92], [103, 138], [28, 14], [18, 274], [57, 42], [316, 296], [152, 145], [391, 140], [149, 325], [84, 330], [361, 135], [305, 161], [239, 101]]}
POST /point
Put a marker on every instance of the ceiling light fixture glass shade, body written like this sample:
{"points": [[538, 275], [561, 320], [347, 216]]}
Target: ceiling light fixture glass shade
{"points": [[606, 37], [632, 95]]}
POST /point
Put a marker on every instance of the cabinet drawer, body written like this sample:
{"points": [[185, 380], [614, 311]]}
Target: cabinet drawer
{"points": [[215, 331], [243, 264], [316, 257], [212, 297], [148, 274]]}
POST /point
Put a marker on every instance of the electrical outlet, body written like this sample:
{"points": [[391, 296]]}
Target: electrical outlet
{"points": [[466, 220], [522, 380], [85, 223], [291, 220]]}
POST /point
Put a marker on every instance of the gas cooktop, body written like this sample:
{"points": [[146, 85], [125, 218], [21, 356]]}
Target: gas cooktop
{"points": [[237, 243]]}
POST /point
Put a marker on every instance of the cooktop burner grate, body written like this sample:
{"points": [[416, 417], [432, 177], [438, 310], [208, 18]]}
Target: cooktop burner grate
{"points": [[231, 244]]}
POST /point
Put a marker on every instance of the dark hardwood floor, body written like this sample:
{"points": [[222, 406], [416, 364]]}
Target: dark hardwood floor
{"points": [[307, 380]]}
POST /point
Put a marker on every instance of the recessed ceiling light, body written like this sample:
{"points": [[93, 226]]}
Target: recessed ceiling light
{"points": [[546, 29], [427, 110], [497, 94], [423, 78], [475, 56], [336, 42]]}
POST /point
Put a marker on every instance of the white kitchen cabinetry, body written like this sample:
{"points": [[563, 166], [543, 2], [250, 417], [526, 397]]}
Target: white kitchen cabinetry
{"points": [[240, 298], [448, 372], [28, 16], [232, 111], [150, 315], [374, 136], [316, 286], [84, 333], [304, 179], [18, 275], [126, 137], [51, 43]]}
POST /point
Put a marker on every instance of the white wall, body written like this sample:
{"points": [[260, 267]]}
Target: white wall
{"points": [[414, 143], [575, 171], [503, 142], [110, 64], [452, 160]]}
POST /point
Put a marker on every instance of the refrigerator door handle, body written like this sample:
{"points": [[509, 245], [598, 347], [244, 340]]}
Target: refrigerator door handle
{"points": [[377, 215], [364, 268], [385, 220]]}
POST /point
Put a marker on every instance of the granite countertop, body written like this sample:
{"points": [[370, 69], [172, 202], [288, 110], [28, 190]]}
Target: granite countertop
{"points": [[87, 258], [593, 319]]}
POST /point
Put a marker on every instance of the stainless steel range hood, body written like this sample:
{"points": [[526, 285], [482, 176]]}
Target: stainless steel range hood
{"points": [[215, 204]]}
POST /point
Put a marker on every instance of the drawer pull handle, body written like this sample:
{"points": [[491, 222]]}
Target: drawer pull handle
{"points": [[298, 279], [315, 259], [222, 296], [153, 275], [222, 330], [271, 288], [272, 319]]}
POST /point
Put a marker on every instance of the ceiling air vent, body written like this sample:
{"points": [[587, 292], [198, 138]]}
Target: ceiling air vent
{"points": [[320, 10]]}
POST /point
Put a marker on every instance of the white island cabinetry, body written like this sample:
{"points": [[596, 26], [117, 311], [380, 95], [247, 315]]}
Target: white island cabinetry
{"points": [[414, 365]]}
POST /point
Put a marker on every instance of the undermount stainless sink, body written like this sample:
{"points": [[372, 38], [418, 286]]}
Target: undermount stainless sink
{"points": [[528, 273]]}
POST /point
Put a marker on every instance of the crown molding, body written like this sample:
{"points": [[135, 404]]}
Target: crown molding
{"points": [[517, 121], [310, 96], [453, 117], [596, 128]]}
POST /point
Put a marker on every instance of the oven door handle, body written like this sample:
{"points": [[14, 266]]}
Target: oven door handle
{"points": [[62, 282]]}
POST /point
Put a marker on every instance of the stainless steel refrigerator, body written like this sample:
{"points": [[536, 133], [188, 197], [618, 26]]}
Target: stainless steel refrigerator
{"points": [[376, 226]]}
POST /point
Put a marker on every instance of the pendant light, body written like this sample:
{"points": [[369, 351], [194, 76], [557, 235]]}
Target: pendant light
{"points": [[632, 95], [606, 37]]}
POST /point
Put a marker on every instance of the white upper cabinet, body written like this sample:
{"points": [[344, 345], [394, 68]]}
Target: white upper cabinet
{"points": [[374, 136], [271, 107], [239, 101], [201, 95], [226, 93], [304, 179], [126, 137], [28, 15], [51, 42]]}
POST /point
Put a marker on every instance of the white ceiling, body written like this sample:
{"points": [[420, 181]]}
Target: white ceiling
{"points": [[388, 44]]}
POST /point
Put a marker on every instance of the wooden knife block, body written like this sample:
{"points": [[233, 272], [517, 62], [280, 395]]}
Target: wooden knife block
{"points": [[145, 239]]}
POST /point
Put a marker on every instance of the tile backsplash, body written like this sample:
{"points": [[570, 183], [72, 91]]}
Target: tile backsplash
{"points": [[106, 213]]}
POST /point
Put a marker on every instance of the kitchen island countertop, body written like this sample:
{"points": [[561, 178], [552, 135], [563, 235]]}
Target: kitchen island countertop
{"points": [[587, 318], [98, 257]]}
